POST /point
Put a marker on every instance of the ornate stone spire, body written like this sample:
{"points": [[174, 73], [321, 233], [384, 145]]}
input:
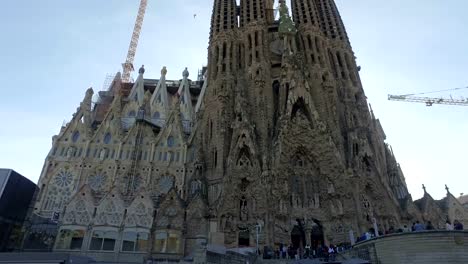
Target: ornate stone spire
{"points": [[286, 26]]}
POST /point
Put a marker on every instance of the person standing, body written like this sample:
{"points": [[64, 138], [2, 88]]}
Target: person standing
{"points": [[331, 253], [307, 251], [419, 227], [284, 252], [448, 226], [429, 226]]}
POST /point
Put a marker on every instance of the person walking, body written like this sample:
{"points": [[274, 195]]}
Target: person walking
{"points": [[429, 226]]}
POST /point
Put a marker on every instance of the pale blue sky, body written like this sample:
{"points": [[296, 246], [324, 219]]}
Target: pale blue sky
{"points": [[53, 50]]}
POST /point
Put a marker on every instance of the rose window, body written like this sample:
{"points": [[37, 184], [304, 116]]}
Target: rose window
{"points": [[63, 179], [96, 182], [165, 184]]}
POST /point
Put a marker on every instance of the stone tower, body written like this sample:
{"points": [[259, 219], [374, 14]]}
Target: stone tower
{"points": [[286, 141]]}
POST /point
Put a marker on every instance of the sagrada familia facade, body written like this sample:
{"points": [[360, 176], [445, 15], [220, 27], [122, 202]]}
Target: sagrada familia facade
{"points": [[274, 143]]}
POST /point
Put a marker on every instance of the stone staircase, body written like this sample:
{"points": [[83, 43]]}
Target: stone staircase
{"points": [[416, 248]]}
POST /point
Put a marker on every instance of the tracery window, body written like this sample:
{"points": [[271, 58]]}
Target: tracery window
{"points": [[63, 179]]}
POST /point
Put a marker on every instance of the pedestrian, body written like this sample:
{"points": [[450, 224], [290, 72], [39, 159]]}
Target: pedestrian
{"points": [[405, 229], [413, 227], [429, 226], [419, 227], [285, 252], [448, 225], [307, 251], [331, 253]]}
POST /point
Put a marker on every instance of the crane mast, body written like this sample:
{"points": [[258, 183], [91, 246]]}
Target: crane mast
{"points": [[128, 64]]}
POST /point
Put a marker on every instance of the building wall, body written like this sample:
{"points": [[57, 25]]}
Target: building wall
{"points": [[16, 194]]}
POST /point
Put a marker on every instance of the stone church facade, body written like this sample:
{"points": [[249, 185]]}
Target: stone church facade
{"points": [[274, 142]]}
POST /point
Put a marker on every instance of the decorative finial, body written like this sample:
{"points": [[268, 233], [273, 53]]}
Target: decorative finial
{"points": [[447, 188], [164, 71], [142, 69], [185, 73], [424, 188]]}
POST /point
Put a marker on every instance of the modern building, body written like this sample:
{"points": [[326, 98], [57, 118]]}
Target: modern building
{"points": [[16, 195], [273, 143]]}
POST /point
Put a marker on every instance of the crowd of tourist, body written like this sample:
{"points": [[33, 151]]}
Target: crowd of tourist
{"points": [[329, 253], [322, 252]]}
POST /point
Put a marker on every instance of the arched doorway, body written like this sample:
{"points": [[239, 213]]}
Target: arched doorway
{"points": [[244, 237], [316, 236], [296, 237]]}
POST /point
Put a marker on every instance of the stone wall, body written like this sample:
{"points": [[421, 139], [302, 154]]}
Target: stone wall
{"points": [[229, 258], [417, 247]]}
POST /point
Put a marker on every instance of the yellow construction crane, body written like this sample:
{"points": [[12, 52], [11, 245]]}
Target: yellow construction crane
{"points": [[429, 101], [128, 64]]}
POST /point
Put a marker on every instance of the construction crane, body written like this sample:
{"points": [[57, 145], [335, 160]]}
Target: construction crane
{"points": [[429, 101], [128, 64]]}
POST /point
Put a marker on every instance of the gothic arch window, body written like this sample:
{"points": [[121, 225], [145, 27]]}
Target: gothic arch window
{"points": [[244, 158], [298, 161], [300, 107], [107, 138], [75, 136], [156, 115], [170, 141]]}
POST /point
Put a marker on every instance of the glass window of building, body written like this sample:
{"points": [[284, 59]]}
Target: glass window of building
{"points": [[135, 241], [103, 240], [70, 239]]}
